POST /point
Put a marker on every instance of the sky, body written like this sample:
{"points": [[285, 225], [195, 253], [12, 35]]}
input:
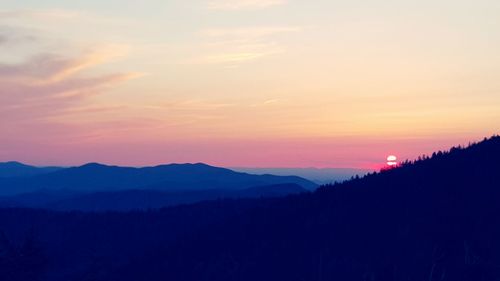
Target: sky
{"points": [[245, 83]]}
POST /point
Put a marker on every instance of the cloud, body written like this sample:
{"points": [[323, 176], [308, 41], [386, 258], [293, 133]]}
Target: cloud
{"points": [[47, 68], [236, 5], [12, 36], [48, 85], [58, 15], [39, 14], [236, 57], [55, 20], [191, 110], [249, 33], [267, 103], [55, 89], [272, 101], [240, 45], [235, 54]]}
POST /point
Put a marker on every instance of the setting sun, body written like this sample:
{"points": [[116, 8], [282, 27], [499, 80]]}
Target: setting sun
{"points": [[392, 160]]}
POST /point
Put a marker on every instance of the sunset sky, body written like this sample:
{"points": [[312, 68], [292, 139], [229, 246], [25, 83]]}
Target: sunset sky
{"points": [[248, 83]]}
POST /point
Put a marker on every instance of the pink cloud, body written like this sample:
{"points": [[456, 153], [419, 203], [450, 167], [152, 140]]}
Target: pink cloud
{"points": [[49, 76], [37, 94]]}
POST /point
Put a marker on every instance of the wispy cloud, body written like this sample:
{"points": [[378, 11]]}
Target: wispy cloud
{"points": [[235, 5], [55, 15], [48, 68], [272, 101], [48, 85], [240, 45], [39, 14], [191, 106], [45, 78], [267, 103], [54, 18], [10, 35], [249, 33], [234, 53]]}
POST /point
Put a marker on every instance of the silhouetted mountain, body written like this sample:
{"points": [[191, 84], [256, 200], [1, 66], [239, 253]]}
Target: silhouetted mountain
{"points": [[16, 169], [138, 199], [433, 219], [317, 175], [95, 177]]}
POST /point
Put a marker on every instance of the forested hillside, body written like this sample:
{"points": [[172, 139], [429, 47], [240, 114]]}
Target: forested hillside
{"points": [[437, 218]]}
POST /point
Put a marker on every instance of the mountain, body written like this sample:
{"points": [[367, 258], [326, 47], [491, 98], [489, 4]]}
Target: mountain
{"points": [[16, 169], [317, 175], [95, 177], [436, 218]]}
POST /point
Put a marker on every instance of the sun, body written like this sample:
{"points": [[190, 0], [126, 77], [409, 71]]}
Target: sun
{"points": [[392, 160]]}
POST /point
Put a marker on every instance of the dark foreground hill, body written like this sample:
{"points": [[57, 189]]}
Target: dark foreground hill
{"points": [[130, 200], [435, 219]]}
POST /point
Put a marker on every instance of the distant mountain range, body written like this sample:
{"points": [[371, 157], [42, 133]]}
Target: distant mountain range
{"points": [[17, 169], [317, 175], [99, 187], [436, 218]]}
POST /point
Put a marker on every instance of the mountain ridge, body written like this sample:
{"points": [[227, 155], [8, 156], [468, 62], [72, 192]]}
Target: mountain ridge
{"points": [[436, 218], [17, 169], [98, 177]]}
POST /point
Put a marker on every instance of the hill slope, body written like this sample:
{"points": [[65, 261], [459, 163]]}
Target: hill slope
{"points": [[435, 219]]}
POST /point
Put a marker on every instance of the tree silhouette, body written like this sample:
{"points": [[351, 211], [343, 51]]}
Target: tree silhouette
{"points": [[435, 219]]}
